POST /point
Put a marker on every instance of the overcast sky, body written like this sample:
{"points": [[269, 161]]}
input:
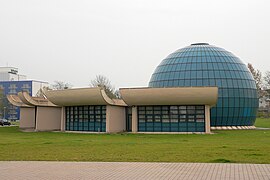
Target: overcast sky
{"points": [[74, 40]]}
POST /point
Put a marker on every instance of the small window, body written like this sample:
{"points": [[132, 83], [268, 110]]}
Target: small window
{"points": [[191, 119], [182, 107], [157, 118], [183, 111], [199, 116], [199, 120]]}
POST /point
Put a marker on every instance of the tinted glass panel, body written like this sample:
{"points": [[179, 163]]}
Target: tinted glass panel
{"points": [[86, 118], [206, 65], [171, 119]]}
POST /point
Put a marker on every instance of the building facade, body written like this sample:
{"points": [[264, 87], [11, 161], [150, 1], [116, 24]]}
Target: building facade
{"points": [[174, 110], [142, 110], [12, 83], [10, 74], [193, 90]]}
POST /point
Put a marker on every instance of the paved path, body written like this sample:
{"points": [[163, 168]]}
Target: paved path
{"points": [[261, 128], [123, 170]]}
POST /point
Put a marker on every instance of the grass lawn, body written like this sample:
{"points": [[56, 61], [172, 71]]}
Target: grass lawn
{"points": [[235, 146], [262, 122], [15, 123]]}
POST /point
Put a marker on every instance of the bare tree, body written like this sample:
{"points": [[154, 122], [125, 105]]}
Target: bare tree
{"points": [[59, 85], [104, 83], [267, 85], [257, 75], [267, 79], [41, 90], [1, 102], [117, 94]]}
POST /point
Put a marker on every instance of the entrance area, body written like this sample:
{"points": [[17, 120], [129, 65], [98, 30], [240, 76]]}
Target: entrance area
{"points": [[129, 119]]}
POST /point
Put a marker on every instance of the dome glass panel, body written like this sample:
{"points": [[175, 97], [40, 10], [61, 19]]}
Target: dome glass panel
{"points": [[202, 64]]}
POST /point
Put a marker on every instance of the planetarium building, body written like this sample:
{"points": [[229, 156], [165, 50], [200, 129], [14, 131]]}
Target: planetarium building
{"points": [[204, 65], [193, 90]]}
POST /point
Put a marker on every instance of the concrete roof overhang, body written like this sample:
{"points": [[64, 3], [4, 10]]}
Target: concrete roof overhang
{"points": [[170, 96], [34, 101], [16, 101], [81, 96]]}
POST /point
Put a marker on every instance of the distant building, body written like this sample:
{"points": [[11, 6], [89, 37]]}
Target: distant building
{"points": [[264, 101], [11, 83], [10, 74]]}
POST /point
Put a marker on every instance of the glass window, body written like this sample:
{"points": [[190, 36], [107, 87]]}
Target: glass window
{"points": [[199, 82], [157, 118], [193, 82], [211, 74], [187, 82], [149, 118], [199, 111], [200, 116], [82, 116], [191, 118], [182, 107], [165, 118], [193, 74], [174, 118], [200, 120], [199, 74], [190, 107]]}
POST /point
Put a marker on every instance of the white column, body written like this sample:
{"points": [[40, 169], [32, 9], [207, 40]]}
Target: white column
{"points": [[36, 118], [63, 119], [207, 119], [108, 119], [134, 119]]}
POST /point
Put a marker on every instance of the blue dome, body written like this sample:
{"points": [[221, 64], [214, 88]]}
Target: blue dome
{"points": [[202, 64]]}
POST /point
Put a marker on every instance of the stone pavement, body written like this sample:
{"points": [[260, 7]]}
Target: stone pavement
{"points": [[129, 170]]}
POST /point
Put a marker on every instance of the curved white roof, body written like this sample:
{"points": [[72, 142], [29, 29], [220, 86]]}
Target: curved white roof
{"points": [[170, 96], [81, 96]]}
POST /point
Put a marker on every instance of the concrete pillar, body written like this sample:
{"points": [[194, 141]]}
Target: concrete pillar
{"points": [[134, 119], [27, 118], [63, 119], [48, 118], [115, 119], [108, 118], [36, 119], [207, 119]]}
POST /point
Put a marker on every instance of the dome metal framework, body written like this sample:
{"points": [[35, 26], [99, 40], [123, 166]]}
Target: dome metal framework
{"points": [[201, 64]]}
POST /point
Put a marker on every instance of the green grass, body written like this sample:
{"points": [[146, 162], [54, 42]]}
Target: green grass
{"points": [[232, 146], [262, 122], [15, 123]]}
